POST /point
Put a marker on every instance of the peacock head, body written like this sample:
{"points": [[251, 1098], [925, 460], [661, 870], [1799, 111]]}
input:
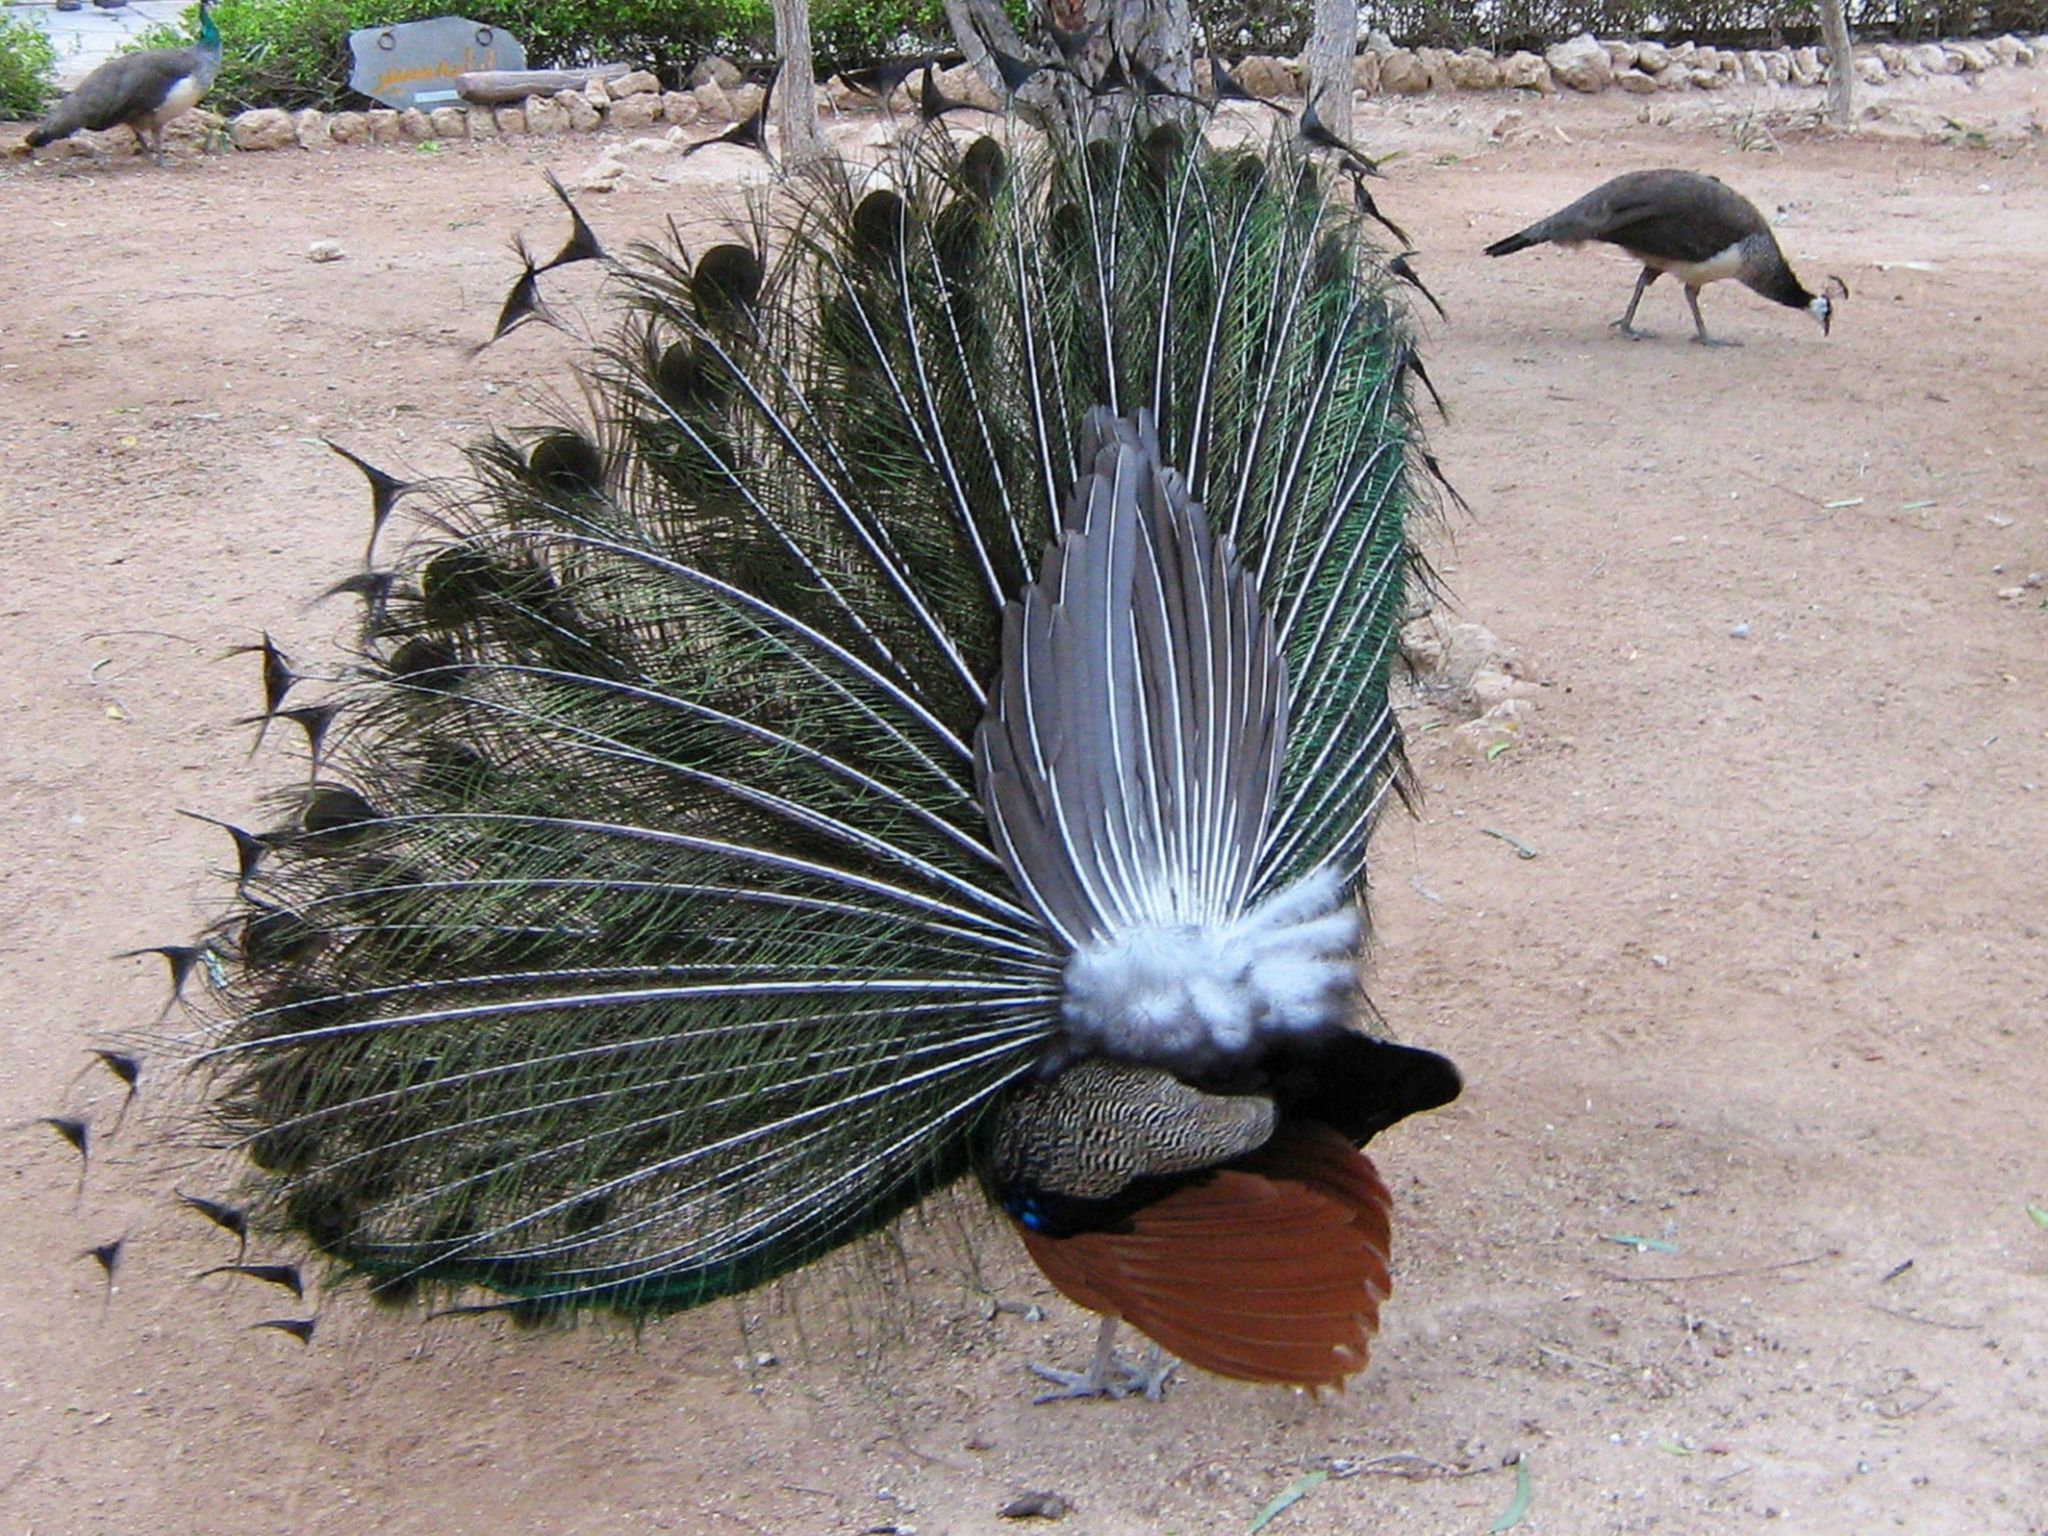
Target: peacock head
{"points": [[209, 34], [1822, 305]]}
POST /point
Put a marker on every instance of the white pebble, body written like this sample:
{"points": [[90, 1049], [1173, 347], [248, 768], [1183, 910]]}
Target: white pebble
{"points": [[325, 250]]}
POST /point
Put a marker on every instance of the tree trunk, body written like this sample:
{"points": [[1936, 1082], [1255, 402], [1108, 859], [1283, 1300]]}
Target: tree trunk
{"points": [[1332, 45], [796, 88], [1834, 31]]}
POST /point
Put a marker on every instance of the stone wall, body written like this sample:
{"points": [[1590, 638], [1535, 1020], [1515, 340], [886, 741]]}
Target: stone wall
{"points": [[1584, 63]]}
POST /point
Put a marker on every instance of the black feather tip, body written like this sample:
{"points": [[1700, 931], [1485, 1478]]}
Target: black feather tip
{"points": [[285, 1275], [385, 491]]}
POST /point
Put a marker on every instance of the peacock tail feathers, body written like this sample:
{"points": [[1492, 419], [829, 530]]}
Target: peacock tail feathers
{"points": [[642, 935]]}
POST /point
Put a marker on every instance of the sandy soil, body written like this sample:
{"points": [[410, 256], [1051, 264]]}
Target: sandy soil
{"points": [[1770, 992]]}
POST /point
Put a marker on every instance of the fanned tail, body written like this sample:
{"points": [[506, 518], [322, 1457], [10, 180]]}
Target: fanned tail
{"points": [[643, 934]]}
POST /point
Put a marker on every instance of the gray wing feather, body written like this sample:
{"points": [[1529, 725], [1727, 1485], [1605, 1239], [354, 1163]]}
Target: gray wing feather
{"points": [[1131, 750]]}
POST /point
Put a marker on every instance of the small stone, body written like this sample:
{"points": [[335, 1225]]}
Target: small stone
{"points": [[483, 122], [264, 128], [510, 119], [1403, 74], [1754, 70], [383, 126], [1621, 53], [1778, 65], [603, 175], [1635, 82], [449, 122], [1263, 75], [679, 108], [1526, 72], [1474, 70], [1365, 73], [1652, 57], [1975, 56], [1870, 69], [1036, 1506], [713, 105], [1806, 66], [1580, 63], [635, 112], [1738, 632], [348, 128], [2012, 594], [962, 84], [325, 250], [746, 100], [543, 116], [1707, 79], [414, 126], [639, 83], [1435, 64], [720, 72], [597, 93], [309, 127], [577, 112]]}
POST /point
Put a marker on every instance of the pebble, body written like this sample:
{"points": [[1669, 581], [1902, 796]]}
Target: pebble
{"points": [[1738, 632], [325, 250]]}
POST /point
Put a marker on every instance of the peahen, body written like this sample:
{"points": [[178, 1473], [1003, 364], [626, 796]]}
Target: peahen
{"points": [[928, 722], [141, 91]]}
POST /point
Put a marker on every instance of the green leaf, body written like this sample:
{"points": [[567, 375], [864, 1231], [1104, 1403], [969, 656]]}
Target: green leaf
{"points": [[1287, 1498], [2040, 1216], [1640, 1244], [1518, 1506]]}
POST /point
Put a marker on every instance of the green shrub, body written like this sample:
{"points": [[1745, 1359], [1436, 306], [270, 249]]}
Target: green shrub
{"points": [[27, 64]]}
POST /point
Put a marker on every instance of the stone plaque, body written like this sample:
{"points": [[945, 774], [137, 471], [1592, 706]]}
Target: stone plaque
{"points": [[414, 64]]}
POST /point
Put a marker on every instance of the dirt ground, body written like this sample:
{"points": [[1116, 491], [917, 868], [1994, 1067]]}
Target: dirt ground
{"points": [[1770, 991]]}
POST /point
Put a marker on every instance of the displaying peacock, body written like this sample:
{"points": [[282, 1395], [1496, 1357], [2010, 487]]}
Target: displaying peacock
{"points": [[143, 92], [929, 721]]}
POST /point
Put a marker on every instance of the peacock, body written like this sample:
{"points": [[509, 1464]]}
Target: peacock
{"points": [[143, 92], [924, 723]]}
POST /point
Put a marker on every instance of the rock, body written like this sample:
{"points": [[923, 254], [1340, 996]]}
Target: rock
{"points": [[1705, 58], [348, 128], [1526, 72], [1580, 63], [543, 116], [325, 250], [1652, 56], [1870, 69], [746, 100], [577, 112], [679, 108], [960, 83], [1263, 75], [639, 83], [1635, 82], [1937, 60], [1678, 77], [1806, 66], [597, 93], [310, 128], [1975, 56], [713, 105], [1778, 65], [1402, 74], [1493, 686], [383, 126], [2010, 51], [1365, 73], [449, 122], [1503, 725], [1894, 57], [264, 128], [635, 112], [1707, 79], [483, 122], [1754, 70], [602, 176], [1378, 42], [722, 73], [1435, 64], [1474, 70], [1620, 53], [414, 126], [510, 119]]}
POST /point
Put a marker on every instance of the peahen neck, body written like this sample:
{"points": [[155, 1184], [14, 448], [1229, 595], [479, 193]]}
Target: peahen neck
{"points": [[209, 35]]}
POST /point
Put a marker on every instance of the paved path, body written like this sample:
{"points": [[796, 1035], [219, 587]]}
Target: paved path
{"points": [[90, 36]]}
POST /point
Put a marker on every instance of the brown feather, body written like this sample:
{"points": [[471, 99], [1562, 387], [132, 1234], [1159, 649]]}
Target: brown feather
{"points": [[1271, 1269]]}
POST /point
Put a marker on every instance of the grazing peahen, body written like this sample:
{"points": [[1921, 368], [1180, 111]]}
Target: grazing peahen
{"points": [[141, 91], [930, 722]]}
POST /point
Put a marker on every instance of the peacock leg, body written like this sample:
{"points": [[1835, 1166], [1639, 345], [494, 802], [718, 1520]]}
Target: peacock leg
{"points": [[1627, 323], [1108, 1374], [1699, 326]]}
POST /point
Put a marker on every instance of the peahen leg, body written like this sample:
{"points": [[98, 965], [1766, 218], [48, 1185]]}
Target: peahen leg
{"points": [[1108, 1374], [1699, 326], [1627, 323]]}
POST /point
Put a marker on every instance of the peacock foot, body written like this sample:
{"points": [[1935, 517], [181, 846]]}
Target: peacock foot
{"points": [[1110, 1375], [1622, 325]]}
